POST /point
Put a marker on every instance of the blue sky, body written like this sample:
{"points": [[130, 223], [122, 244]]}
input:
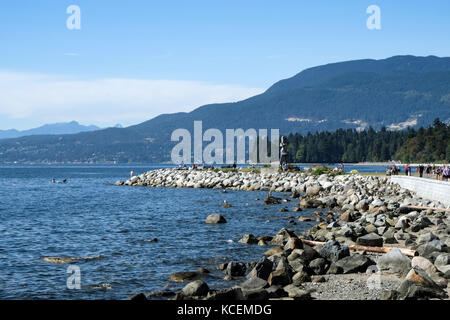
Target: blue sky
{"points": [[135, 59]]}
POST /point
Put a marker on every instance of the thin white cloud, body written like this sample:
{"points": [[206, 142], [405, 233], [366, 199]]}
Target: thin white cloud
{"points": [[106, 101]]}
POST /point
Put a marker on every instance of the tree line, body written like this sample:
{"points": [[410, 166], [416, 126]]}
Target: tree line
{"points": [[349, 145]]}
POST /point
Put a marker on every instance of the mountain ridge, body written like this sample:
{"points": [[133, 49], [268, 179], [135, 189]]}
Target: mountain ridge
{"points": [[393, 92]]}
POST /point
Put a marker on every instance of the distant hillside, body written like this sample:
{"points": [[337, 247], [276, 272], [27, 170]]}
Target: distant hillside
{"points": [[55, 128], [394, 93]]}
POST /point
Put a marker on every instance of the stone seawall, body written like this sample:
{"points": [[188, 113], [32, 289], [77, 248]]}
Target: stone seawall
{"points": [[425, 188]]}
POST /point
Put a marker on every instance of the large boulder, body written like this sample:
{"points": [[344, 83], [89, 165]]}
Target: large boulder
{"points": [[215, 219], [313, 190], [426, 249], [354, 263], [424, 264], [279, 277], [394, 261], [371, 240], [254, 283], [262, 269], [197, 288], [418, 285], [442, 263], [333, 251]]}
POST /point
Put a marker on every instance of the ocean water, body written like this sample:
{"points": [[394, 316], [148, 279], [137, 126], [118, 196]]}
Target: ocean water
{"points": [[89, 216]]}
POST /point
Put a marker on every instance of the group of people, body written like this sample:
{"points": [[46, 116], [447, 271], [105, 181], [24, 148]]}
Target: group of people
{"points": [[439, 172], [340, 169]]}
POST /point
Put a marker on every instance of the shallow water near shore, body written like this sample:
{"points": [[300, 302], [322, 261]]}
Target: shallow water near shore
{"points": [[89, 217]]}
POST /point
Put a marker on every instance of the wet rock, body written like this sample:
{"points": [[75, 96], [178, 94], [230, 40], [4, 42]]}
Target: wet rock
{"points": [[184, 276], [333, 251], [203, 270], [66, 260], [222, 266], [274, 251], [215, 219], [394, 261], [371, 240], [138, 297], [293, 243], [236, 269], [248, 239], [197, 288], [354, 263]]}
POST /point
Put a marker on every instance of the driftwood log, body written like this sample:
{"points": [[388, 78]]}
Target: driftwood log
{"points": [[426, 208], [407, 252]]}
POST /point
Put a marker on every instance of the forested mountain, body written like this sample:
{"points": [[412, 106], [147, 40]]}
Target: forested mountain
{"points": [[393, 93]]}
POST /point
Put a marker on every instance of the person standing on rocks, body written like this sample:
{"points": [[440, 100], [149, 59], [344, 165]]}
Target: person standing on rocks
{"points": [[131, 174], [406, 169]]}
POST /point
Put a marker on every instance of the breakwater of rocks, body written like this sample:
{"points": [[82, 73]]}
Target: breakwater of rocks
{"points": [[365, 212]]}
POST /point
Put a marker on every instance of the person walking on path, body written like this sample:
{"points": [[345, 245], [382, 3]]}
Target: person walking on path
{"points": [[438, 173], [406, 169], [446, 173], [421, 168]]}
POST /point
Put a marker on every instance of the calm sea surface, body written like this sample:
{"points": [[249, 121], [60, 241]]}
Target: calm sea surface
{"points": [[89, 216]]}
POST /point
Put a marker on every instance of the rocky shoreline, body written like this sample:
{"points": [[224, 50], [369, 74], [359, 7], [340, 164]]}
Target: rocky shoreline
{"points": [[335, 258]]}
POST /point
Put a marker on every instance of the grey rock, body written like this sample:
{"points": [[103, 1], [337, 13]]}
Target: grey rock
{"points": [[262, 269], [394, 261], [371, 240], [354, 263], [215, 219], [318, 266], [254, 283], [427, 248], [426, 237], [417, 284], [195, 288], [231, 294], [333, 251], [297, 293], [279, 277], [248, 239]]}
